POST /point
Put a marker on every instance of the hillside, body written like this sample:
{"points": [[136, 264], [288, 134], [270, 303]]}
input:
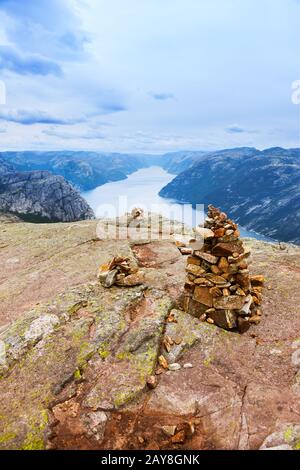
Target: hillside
{"points": [[39, 196], [260, 189], [85, 170], [75, 356]]}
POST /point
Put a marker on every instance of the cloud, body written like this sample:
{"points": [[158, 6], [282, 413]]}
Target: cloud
{"points": [[33, 64], [26, 117], [162, 96], [48, 27], [239, 130], [90, 135], [2, 131]]}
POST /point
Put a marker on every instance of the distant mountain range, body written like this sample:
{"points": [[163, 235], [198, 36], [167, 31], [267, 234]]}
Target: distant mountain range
{"points": [[259, 189], [87, 170]]}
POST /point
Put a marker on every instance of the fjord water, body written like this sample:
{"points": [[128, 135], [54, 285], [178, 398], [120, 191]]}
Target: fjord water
{"points": [[141, 189]]}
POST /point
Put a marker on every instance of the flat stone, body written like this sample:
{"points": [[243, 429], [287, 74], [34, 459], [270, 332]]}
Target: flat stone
{"points": [[224, 318], [218, 280], [194, 308], [246, 307], [196, 270], [193, 260], [230, 302], [207, 257], [132, 280], [204, 233], [203, 296], [108, 278], [227, 249], [257, 280]]}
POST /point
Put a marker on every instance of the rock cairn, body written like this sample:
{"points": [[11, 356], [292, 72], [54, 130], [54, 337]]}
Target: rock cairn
{"points": [[218, 287], [121, 272]]}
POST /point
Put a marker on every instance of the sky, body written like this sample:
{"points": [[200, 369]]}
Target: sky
{"points": [[148, 76]]}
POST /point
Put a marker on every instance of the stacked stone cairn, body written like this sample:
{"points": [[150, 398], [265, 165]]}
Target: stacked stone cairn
{"points": [[218, 287], [120, 271]]}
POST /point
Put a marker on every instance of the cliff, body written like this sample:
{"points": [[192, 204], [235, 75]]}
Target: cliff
{"points": [[40, 196], [75, 357], [259, 189]]}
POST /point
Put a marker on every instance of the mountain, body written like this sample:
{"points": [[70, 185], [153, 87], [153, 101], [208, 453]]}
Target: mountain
{"points": [[259, 189], [176, 162], [75, 356], [40, 196], [85, 170]]}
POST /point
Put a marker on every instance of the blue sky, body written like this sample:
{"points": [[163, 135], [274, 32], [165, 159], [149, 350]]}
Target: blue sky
{"points": [[149, 75]]}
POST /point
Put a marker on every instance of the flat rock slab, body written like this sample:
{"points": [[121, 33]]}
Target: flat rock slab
{"points": [[75, 357]]}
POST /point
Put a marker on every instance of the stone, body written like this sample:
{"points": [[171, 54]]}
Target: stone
{"points": [[42, 326], [256, 319], [224, 318], [204, 233], [95, 423], [223, 264], [195, 308], [195, 270], [174, 366], [231, 302], [163, 362], [215, 270], [215, 292], [243, 324], [136, 279], [244, 281], [169, 430], [227, 249], [246, 307], [201, 281], [108, 278], [178, 438], [218, 280], [219, 232], [152, 381], [185, 251], [193, 260], [257, 280], [188, 365], [203, 296], [207, 257]]}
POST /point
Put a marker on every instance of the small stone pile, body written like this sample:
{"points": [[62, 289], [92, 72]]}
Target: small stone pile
{"points": [[218, 287], [120, 271]]}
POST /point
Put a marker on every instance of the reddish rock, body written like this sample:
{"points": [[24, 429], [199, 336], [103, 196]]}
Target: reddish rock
{"points": [[227, 249], [230, 302], [207, 257], [203, 296]]}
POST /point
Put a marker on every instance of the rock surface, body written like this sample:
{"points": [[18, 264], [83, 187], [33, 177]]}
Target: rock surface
{"points": [[76, 357], [41, 196]]}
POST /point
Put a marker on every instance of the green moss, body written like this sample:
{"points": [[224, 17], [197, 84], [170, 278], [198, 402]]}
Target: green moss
{"points": [[34, 439], [288, 434], [74, 309], [77, 374], [297, 446], [33, 443], [8, 436], [103, 354], [123, 397]]}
